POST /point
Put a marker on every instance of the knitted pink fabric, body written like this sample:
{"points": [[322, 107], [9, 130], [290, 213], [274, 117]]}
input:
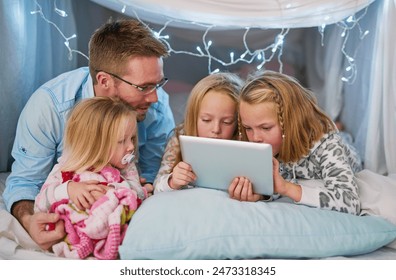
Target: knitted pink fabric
{"points": [[98, 231]]}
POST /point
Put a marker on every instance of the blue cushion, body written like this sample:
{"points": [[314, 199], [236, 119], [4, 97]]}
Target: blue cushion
{"points": [[206, 224]]}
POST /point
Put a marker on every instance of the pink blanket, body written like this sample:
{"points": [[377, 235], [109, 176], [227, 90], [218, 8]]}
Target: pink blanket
{"points": [[98, 231]]}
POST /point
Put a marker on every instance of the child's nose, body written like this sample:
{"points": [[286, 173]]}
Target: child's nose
{"points": [[216, 128]]}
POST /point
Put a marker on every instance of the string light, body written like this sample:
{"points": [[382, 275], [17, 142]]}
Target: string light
{"points": [[261, 56], [62, 13], [347, 25], [58, 11]]}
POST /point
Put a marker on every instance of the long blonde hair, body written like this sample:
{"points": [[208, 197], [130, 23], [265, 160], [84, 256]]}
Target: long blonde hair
{"points": [[228, 83], [92, 132], [301, 119], [224, 82]]}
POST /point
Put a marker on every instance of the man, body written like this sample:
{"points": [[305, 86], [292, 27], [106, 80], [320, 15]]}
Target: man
{"points": [[126, 60]]}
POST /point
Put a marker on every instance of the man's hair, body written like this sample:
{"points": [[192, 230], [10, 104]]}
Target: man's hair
{"points": [[93, 129], [301, 119], [114, 43]]}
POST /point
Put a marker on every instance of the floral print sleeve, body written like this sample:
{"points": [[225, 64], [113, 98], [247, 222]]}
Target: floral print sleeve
{"points": [[131, 175], [47, 195], [168, 160], [329, 161]]}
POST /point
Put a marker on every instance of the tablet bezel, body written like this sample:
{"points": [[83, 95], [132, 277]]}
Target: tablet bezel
{"points": [[216, 162]]}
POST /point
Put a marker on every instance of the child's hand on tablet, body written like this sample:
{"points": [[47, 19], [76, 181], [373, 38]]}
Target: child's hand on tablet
{"points": [[182, 175], [242, 189]]}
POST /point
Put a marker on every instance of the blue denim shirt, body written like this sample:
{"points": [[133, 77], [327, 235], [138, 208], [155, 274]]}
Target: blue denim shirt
{"points": [[39, 135]]}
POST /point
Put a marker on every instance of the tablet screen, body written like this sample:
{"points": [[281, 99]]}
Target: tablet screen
{"points": [[216, 162]]}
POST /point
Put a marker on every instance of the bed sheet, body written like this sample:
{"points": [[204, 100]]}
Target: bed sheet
{"points": [[16, 244]]}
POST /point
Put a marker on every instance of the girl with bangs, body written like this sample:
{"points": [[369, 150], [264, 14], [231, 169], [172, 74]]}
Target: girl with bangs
{"points": [[99, 147], [312, 164], [211, 112]]}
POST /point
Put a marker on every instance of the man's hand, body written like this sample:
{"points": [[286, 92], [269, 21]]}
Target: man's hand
{"points": [[36, 224]]}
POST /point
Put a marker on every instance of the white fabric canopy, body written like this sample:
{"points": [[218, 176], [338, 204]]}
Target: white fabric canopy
{"points": [[239, 14], [367, 107], [372, 120], [381, 132]]}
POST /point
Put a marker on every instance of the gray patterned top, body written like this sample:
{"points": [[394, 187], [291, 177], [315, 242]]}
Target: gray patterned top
{"points": [[332, 163]]}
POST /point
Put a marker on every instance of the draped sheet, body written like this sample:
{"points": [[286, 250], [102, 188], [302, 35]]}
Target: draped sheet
{"points": [[33, 52], [239, 14], [374, 125]]}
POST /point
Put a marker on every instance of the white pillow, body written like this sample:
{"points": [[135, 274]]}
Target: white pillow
{"points": [[377, 195]]}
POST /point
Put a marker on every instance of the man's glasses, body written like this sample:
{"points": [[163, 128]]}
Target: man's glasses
{"points": [[143, 89]]}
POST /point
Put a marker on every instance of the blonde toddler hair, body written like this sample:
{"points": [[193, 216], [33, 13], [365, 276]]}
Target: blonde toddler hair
{"points": [[93, 130]]}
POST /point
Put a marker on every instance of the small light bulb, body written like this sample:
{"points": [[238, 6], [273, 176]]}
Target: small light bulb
{"points": [[60, 12], [199, 50]]}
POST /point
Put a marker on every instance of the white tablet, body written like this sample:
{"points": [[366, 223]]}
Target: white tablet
{"points": [[216, 162]]}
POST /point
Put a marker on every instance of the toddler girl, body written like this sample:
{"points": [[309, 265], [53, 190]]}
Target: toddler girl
{"points": [[95, 186]]}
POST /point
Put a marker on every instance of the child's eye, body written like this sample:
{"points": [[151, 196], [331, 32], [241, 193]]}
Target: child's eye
{"points": [[228, 122], [205, 120]]}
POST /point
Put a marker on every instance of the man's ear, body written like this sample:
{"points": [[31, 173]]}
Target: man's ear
{"points": [[104, 80]]}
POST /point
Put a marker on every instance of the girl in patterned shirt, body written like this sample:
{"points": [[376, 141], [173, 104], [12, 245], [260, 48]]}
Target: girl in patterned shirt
{"points": [[311, 165], [211, 112]]}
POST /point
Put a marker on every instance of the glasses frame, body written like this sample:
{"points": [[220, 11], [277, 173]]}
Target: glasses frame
{"points": [[142, 89]]}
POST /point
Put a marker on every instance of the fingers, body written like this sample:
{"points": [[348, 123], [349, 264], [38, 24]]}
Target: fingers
{"points": [[142, 180], [231, 188], [37, 229], [45, 219], [97, 195], [149, 188], [275, 166], [91, 182], [184, 165], [86, 200], [242, 189], [279, 182], [100, 188], [84, 194], [182, 175], [55, 235]]}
